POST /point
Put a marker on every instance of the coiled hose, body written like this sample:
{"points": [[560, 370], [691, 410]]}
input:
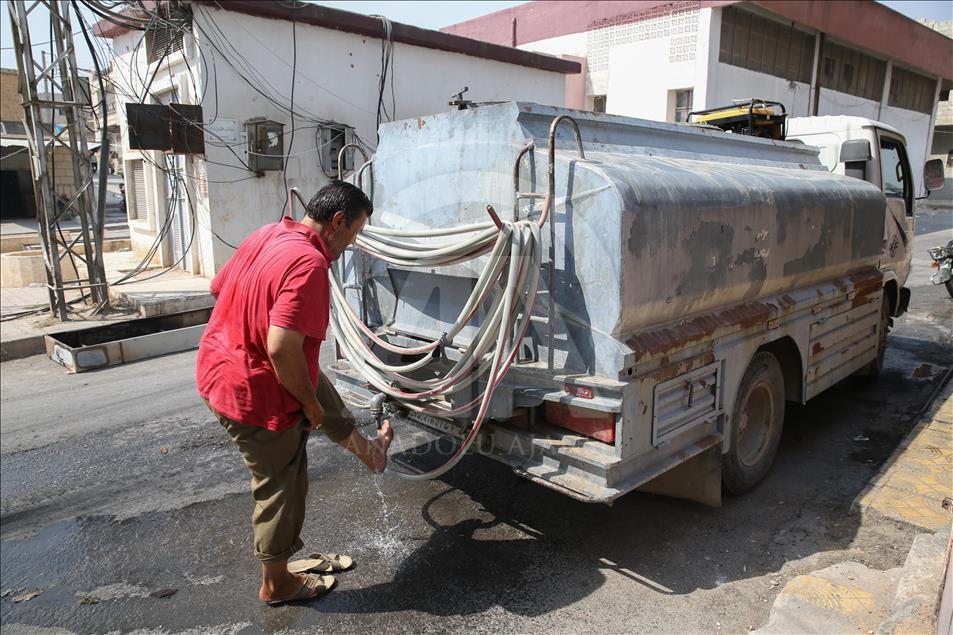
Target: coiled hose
{"points": [[515, 256]]}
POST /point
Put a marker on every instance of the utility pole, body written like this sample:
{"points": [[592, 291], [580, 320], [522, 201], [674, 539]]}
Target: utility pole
{"points": [[61, 75]]}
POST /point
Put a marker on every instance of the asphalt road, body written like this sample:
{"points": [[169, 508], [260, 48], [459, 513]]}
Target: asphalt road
{"points": [[117, 484]]}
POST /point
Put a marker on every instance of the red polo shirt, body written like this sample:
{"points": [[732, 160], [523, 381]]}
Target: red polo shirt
{"points": [[279, 276]]}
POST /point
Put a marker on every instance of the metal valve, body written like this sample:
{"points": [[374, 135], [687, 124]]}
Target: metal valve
{"points": [[377, 408]]}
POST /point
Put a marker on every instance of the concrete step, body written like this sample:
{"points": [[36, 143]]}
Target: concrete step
{"points": [[848, 597], [918, 591], [844, 598]]}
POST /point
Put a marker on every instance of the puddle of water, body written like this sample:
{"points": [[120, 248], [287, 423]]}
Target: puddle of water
{"points": [[204, 580], [116, 591], [873, 447], [924, 371]]}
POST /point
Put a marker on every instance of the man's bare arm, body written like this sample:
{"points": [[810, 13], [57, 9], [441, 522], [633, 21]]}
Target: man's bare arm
{"points": [[286, 352]]}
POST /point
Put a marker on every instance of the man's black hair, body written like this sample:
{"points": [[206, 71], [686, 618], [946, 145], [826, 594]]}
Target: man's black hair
{"points": [[339, 196]]}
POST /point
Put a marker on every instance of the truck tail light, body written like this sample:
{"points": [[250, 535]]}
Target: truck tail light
{"points": [[582, 392]]}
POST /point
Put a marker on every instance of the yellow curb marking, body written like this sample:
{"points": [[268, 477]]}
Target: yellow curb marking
{"points": [[921, 475], [823, 593]]}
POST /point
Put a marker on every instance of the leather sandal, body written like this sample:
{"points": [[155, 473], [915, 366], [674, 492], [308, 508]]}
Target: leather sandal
{"points": [[314, 586], [339, 562], [310, 564], [321, 563]]}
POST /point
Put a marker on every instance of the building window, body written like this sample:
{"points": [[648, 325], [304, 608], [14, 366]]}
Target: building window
{"points": [[683, 104], [162, 41], [762, 45], [166, 36], [12, 128], [911, 91], [599, 103], [852, 72], [137, 205]]}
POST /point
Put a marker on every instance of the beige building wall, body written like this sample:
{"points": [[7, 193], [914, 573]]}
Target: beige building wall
{"points": [[10, 103]]}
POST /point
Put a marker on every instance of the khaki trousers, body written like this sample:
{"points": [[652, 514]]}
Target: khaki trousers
{"points": [[278, 462]]}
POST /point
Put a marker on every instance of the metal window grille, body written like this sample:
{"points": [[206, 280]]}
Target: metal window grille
{"points": [[911, 91], [852, 72], [599, 103], [765, 46], [162, 40]]}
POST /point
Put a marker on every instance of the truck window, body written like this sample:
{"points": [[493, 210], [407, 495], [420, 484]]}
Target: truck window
{"points": [[893, 169]]}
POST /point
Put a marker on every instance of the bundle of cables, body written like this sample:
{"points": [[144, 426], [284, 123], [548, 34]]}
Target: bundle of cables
{"points": [[512, 270]]}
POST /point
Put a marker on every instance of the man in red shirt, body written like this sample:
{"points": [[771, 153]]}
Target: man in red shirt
{"points": [[257, 369]]}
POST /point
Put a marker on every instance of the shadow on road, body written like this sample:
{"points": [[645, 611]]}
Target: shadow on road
{"points": [[564, 550]]}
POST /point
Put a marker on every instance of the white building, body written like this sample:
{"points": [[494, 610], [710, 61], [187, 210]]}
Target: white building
{"points": [[239, 60], [943, 130], [661, 60]]}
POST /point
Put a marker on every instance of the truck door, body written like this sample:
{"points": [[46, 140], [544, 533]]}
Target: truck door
{"points": [[897, 184]]}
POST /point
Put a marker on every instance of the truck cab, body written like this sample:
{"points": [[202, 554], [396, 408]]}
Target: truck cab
{"points": [[877, 153]]}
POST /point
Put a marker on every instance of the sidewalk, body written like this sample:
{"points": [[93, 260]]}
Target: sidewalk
{"points": [[155, 291], [919, 476], [915, 487]]}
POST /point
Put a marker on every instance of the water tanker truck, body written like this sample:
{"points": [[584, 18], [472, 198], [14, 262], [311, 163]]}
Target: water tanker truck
{"points": [[604, 303]]}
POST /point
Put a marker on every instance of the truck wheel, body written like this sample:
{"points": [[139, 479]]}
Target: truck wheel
{"points": [[755, 427]]}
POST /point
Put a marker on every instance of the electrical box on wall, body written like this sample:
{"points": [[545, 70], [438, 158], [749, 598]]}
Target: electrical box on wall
{"points": [[266, 144], [333, 137], [172, 128]]}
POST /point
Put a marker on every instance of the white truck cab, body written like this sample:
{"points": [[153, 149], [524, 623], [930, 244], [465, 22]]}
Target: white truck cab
{"points": [[874, 152]]}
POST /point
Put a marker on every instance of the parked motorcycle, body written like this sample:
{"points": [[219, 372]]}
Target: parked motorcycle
{"points": [[943, 263]]}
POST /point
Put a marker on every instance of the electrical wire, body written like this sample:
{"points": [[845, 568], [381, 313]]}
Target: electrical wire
{"points": [[294, 68], [387, 49]]}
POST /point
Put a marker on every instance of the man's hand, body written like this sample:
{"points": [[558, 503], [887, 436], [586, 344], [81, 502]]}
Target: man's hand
{"points": [[314, 413], [372, 451]]}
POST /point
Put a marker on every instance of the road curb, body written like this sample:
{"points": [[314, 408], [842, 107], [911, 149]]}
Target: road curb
{"points": [[22, 347]]}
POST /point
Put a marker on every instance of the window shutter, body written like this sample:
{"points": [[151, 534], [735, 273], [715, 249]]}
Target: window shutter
{"points": [[140, 206]]}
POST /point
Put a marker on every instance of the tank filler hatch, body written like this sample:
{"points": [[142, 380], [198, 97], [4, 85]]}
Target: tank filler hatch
{"points": [[753, 117]]}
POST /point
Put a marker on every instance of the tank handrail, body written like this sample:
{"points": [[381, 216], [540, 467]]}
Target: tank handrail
{"points": [[551, 147], [341, 152], [551, 204], [529, 147], [292, 193], [359, 181]]}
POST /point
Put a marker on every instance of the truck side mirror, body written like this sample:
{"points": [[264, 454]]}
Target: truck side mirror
{"points": [[933, 177], [855, 150], [855, 154]]}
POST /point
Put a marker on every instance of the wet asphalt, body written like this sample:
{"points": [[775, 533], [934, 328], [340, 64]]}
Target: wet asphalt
{"points": [[117, 487]]}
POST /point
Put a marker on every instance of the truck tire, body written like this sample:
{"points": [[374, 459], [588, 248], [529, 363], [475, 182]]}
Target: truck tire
{"points": [[755, 427]]}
